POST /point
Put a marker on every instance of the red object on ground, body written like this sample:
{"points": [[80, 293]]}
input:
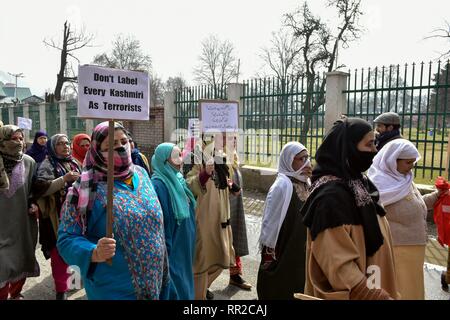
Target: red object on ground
{"points": [[442, 212]]}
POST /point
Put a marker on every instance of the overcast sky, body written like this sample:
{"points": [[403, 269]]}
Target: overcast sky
{"points": [[171, 32]]}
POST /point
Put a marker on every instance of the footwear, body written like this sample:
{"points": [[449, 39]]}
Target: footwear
{"points": [[444, 284], [61, 296], [209, 295], [18, 297], [236, 280]]}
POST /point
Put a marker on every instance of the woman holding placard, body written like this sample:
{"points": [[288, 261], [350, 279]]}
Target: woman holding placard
{"points": [[138, 251]]}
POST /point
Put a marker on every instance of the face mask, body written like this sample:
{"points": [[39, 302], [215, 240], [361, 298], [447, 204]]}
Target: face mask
{"points": [[122, 157], [362, 160], [176, 157], [299, 173], [13, 147]]}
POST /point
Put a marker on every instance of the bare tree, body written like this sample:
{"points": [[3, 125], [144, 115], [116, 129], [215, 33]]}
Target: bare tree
{"points": [[283, 56], [218, 64], [173, 83], [126, 54], [72, 41], [319, 49], [157, 91], [442, 33]]}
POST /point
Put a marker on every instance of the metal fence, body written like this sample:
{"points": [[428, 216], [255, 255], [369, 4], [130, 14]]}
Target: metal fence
{"points": [[276, 111], [33, 112], [52, 118], [273, 112], [75, 125], [420, 94], [17, 112], [186, 106], [5, 115]]}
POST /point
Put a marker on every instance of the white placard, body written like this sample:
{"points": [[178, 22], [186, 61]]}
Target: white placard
{"points": [[24, 123], [193, 128], [220, 116], [107, 93]]}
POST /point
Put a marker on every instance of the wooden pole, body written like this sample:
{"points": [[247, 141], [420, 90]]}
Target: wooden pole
{"points": [[302, 296], [110, 184]]}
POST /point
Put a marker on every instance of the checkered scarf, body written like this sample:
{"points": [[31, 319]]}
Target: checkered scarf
{"points": [[95, 169]]}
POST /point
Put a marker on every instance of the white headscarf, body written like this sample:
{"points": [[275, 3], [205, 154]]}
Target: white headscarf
{"points": [[393, 185], [280, 193], [287, 155]]}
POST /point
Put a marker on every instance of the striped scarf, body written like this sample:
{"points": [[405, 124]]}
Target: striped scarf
{"points": [[95, 169]]}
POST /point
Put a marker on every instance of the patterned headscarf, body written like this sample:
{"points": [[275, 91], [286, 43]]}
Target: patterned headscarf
{"points": [[57, 168], [11, 153], [82, 193]]}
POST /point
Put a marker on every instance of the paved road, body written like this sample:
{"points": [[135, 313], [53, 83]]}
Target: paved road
{"points": [[41, 288]]}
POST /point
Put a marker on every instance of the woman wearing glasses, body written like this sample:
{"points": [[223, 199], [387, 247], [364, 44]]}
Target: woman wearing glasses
{"points": [[139, 268], [283, 235], [54, 177]]}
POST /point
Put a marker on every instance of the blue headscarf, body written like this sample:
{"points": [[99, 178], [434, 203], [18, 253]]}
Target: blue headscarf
{"points": [[38, 152], [178, 190]]}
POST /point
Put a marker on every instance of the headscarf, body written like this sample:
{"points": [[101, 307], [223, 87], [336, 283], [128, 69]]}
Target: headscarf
{"points": [[78, 152], [393, 185], [137, 159], [38, 152], [287, 155], [59, 165], [338, 154], [279, 196], [11, 153], [82, 193], [180, 195], [339, 161]]}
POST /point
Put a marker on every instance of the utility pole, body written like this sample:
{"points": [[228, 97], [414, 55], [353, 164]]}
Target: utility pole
{"points": [[16, 75]]}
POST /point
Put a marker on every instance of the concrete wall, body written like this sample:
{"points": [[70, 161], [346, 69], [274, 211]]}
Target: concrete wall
{"points": [[261, 179]]}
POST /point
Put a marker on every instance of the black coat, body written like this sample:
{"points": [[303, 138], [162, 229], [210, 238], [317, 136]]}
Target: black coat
{"points": [[286, 275]]}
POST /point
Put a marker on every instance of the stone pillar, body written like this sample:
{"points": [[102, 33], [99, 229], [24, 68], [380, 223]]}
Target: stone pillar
{"points": [[234, 93], [169, 117], [89, 126], [42, 118], [63, 117], [11, 116], [335, 99], [26, 114]]}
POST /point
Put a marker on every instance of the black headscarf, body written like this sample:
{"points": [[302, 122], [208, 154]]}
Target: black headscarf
{"points": [[341, 194], [338, 155]]}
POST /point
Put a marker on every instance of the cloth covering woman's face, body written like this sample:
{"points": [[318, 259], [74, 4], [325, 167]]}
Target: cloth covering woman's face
{"points": [[175, 158], [367, 143], [404, 166], [299, 160], [42, 140], [62, 147], [85, 144], [17, 137], [120, 140]]}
